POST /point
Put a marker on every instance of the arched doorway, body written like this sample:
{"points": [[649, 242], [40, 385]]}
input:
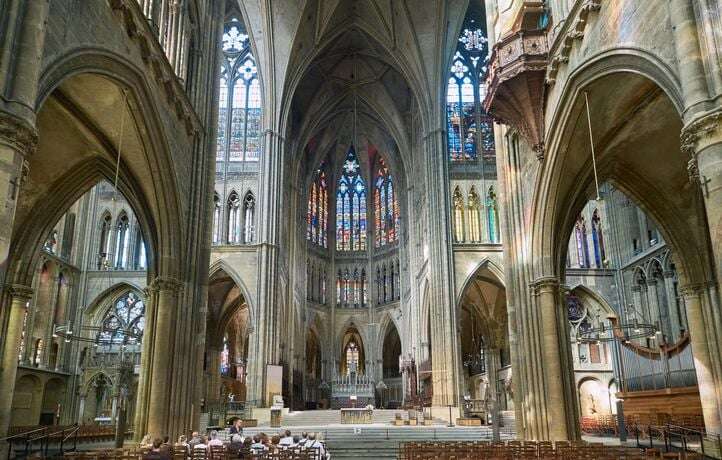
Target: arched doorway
{"points": [[226, 354], [353, 356], [391, 395], [484, 345]]}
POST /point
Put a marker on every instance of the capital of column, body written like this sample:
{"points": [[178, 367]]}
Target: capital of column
{"points": [[272, 133], [18, 134], [669, 273], [701, 132], [544, 284], [636, 288], [18, 291], [694, 290], [697, 135], [162, 283]]}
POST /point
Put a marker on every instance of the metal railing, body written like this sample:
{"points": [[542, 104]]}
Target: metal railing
{"points": [[39, 440], [679, 438]]}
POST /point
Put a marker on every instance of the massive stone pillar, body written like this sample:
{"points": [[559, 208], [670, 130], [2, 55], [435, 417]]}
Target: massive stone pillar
{"points": [[20, 57], [702, 358], [445, 358], [696, 36], [16, 299], [558, 399], [264, 344], [165, 312]]}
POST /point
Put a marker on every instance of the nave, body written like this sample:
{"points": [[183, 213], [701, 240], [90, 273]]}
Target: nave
{"points": [[453, 221]]}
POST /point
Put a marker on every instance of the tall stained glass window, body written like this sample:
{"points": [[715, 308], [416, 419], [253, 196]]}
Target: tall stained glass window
{"points": [[492, 215], [239, 103], [386, 209], [580, 234], [458, 204], [351, 206], [598, 239], [317, 212], [474, 226], [470, 129]]}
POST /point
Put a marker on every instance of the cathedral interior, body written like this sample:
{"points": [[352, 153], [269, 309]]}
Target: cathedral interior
{"points": [[507, 211]]}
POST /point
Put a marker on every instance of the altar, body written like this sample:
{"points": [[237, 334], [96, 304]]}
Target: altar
{"points": [[357, 415]]}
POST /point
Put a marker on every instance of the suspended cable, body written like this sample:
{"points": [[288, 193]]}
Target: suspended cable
{"points": [[591, 143]]}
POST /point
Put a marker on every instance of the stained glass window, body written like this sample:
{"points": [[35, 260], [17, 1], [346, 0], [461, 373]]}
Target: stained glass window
{"points": [[458, 203], [474, 226], [216, 219], [125, 322], [598, 239], [234, 218], [470, 131], [492, 216], [239, 103], [225, 355], [122, 235], [386, 209], [351, 206], [580, 234], [317, 212]]}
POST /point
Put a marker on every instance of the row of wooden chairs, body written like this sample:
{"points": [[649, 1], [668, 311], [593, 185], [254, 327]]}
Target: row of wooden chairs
{"points": [[527, 450], [608, 425]]}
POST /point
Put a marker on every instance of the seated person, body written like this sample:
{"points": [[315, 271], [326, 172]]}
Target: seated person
{"points": [[155, 453], [287, 439], [202, 443], [257, 445], [195, 439], [215, 441], [315, 444]]}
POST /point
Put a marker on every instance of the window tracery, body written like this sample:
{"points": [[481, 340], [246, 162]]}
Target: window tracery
{"points": [[125, 322], [458, 204], [469, 127], [351, 207], [239, 107], [386, 213], [317, 213], [492, 215], [473, 208], [121, 242]]}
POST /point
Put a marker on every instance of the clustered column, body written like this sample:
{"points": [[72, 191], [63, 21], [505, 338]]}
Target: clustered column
{"points": [[17, 297]]}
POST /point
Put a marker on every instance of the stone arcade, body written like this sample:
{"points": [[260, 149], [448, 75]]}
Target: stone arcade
{"points": [[408, 204]]}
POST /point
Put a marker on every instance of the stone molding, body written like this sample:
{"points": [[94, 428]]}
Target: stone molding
{"points": [[573, 29], [18, 291], [18, 134], [544, 284], [165, 284], [695, 289], [138, 29]]}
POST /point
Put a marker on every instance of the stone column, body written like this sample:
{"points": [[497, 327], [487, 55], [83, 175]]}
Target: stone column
{"points": [[17, 141], [17, 297], [81, 409], [159, 378], [214, 380], [445, 355], [546, 291], [492, 372], [702, 360]]}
